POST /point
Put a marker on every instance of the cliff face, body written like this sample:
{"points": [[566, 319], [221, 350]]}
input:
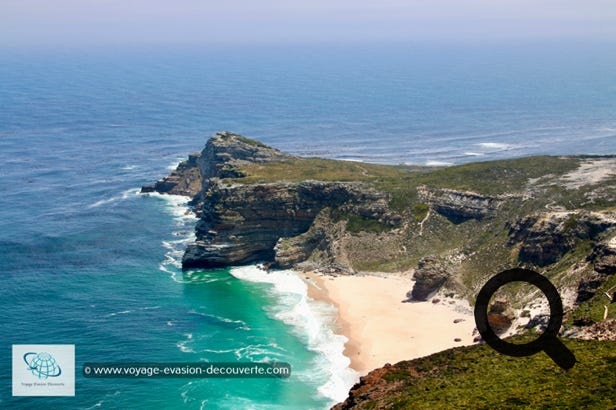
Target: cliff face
{"points": [[460, 206], [243, 223], [545, 237]]}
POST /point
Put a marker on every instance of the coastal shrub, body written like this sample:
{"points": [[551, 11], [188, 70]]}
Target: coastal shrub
{"points": [[357, 223], [478, 377], [420, 211]]}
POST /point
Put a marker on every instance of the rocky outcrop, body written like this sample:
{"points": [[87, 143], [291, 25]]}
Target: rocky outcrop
{"points": [[184, 180], [291, 251], [225, 152], [603, 259], [460, 206], [500, 316], [545, 237], [604, 330], [430, 275]]}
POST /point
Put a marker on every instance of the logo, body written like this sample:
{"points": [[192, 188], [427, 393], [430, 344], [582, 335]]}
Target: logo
{"points": [[42, 365], [43, 370]]}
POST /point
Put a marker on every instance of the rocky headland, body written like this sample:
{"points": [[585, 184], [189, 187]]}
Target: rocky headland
{"points": [[448, 228]]}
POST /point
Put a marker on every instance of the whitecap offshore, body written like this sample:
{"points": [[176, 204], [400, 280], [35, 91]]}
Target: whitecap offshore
{"points": [[496, 146], [129, 193]]}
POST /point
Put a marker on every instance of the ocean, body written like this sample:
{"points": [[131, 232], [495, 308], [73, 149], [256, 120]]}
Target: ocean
{"points": [[86, 260]]}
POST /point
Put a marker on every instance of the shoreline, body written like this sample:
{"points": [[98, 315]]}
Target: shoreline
{"points": [[381, 327]]}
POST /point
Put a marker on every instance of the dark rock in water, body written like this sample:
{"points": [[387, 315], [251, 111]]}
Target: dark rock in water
{"points": [[499, 323], [458, 320], [457, 339], [430, 275]]}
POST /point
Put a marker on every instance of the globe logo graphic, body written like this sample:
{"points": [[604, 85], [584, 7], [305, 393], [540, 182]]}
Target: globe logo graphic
{"points": [[42, 365]]}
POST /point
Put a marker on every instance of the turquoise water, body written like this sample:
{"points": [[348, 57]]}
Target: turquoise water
{"points": [[85, 260]]}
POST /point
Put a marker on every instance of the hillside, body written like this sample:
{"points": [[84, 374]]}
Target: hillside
{"points": [[475, 377]]}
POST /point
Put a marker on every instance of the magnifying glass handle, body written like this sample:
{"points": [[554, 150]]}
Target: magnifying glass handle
{"points": [[558, 352]]}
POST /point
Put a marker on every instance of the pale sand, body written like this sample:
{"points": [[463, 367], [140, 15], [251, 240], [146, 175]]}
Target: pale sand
{"points": [[381, 328]]}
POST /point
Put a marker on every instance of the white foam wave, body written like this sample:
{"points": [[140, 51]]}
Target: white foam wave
{"points": [[125, 312], [133, 192], [177, 206], [496, 146], [432, 163], [183, 344], [175, 164], [312, 320], [474, 154], [122, 312]]}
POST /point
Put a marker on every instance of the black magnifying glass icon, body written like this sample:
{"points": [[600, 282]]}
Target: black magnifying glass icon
{"points": [[548, 341]]}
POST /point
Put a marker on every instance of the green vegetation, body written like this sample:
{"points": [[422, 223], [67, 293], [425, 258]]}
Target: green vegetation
{"points": [[490, 177], [420, 211], [320, 169], [478, 377], [358, 223], [498, 177], [245, 140]]}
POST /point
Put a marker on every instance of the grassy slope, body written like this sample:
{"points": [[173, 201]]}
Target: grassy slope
{"points": [[478, 377], [490, 177]]}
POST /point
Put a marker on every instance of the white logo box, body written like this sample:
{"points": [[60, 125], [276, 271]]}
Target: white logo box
{"points": [[43, 370]]}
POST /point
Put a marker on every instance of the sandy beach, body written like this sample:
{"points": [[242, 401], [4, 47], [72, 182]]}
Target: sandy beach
{"points": [[381, 327]]}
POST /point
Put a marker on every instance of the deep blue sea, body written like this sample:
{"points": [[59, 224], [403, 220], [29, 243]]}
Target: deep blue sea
{"points": [[86, 260]]}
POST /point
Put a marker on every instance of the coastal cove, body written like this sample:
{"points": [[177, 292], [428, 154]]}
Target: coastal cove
{"points": [[318, 226], [383, 326]]}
